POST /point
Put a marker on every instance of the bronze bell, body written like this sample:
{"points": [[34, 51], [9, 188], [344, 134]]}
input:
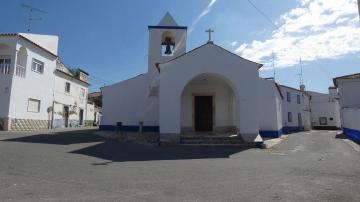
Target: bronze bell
{"points": [[168, 50]]}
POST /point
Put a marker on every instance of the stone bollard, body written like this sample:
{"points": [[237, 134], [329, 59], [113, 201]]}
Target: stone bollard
{"points": [[119, 127], [141, 125]]}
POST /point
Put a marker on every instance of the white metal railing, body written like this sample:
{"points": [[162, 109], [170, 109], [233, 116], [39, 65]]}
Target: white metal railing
{"points": [[20, 71], [4, 68]]}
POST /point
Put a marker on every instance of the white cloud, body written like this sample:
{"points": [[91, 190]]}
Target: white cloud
{"points": [[202, 14], [233, 43], [316, 29]]}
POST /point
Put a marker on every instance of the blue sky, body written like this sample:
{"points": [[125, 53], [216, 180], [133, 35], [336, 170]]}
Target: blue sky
{"points": [[109, 38]]}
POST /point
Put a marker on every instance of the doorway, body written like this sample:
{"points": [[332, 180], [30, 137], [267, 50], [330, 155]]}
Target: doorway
{"points": [[81, 117], [300, 120], [203, 113], [66, 116]]}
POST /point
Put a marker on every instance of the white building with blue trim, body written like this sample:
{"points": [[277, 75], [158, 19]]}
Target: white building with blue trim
{"points": [[207, 90], [349, 92]]}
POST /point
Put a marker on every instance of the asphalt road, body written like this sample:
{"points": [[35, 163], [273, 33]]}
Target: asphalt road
{"points": [[79, 166]]}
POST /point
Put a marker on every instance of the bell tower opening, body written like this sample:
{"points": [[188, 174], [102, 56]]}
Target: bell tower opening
{"points": [[167, 44]]}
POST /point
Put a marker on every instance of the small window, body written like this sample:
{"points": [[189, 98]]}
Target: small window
{"points": [[288, 96], [331, 118], [323, 121], [298, 99], [33, 105], [37, 66], [82, 92], [289, 117], [67, 87]]}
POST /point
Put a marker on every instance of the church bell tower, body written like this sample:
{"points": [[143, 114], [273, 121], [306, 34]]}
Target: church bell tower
{"points": [[167, 40]]}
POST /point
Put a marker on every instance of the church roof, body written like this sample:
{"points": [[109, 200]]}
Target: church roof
{"points": [[207, 44], [167, 22]]}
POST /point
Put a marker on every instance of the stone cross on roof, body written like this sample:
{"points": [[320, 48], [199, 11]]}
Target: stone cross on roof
{"points": [[209, 31]]}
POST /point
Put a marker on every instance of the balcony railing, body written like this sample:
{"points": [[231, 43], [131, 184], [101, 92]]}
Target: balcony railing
{"points": [[4, 68], [20, 71]]}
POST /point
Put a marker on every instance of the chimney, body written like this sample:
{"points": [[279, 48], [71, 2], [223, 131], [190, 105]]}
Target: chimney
{"points": [[302, 88], [333, 93]]}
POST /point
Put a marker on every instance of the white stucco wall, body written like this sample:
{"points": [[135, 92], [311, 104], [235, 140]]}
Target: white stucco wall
{"points": [[349, 92], [241, 74], [73, 98], [270, 111], [50, 42], [351, 118], [125, 101], [7, 50], [325, 105], [34, 85], [292, 107]]}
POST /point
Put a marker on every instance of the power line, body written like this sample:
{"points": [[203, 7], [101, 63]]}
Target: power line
{"points": [[263, 14]]}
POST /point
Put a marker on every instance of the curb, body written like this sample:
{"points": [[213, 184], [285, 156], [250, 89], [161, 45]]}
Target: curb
{"points": [[267, 144]]}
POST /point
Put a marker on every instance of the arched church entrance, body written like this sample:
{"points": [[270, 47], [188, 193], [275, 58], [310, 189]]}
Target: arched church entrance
{"points": [[209, 106]]}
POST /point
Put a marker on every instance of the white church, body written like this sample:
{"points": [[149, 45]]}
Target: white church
{"points": [[206, 91]]}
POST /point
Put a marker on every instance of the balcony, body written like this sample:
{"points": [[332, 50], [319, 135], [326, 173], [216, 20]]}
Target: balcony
{"points": [[4, 68]]}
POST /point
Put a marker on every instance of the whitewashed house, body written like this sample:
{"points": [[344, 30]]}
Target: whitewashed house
{"points": [[349, 92], [29, 81], [325, 110], [295, 109], [70, 97], [270, 101], [208, 91]]}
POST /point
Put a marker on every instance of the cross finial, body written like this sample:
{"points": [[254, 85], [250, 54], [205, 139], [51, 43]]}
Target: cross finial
{"points": [[209, 31]]}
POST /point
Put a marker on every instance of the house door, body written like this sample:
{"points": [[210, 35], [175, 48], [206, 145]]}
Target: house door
{"points": [[81, 117], [203, 113], [66, 116], [300, 121]]}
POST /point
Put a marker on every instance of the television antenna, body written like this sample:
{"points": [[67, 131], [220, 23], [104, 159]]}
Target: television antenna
{"points": [[273, 64], [301, 73], [31, 16]]}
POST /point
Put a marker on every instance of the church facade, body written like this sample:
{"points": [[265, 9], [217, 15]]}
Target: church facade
{"points": [[207, 90]]}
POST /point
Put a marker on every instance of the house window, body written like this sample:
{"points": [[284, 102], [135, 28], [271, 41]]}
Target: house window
{"points": [[67, 87], [323, 121], [33, 105], [289, 117], [288, 96], [331, 118], [82, 92], [298, 99], [37, 66]]}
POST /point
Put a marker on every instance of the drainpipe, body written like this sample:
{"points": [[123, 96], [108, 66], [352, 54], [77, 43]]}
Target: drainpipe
{"points": [[52, 115]]}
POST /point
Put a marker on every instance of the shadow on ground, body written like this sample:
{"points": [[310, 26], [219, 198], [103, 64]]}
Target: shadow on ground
{"points": [[61, 138], [115, 151]]}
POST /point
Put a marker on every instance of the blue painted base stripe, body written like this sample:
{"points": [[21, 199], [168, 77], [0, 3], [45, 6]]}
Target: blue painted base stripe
{"points": [[292, 129], [130, 128], [271, 133], [352, 134]]}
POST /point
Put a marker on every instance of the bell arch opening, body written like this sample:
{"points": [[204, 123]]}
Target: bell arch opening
{"points": [[209, 104], [167, 44]]}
